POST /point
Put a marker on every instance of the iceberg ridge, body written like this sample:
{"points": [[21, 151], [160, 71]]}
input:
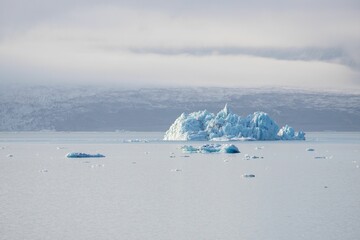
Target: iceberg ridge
{"points": [[225, 125]]}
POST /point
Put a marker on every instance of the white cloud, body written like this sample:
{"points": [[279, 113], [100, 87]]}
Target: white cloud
{"points": [[93, 44]]}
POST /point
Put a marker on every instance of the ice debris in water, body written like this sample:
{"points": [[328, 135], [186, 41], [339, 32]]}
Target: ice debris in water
{"points": [[310, 149], [226, 125], [248, 157], [83, 155], [97, 165], [9, 155], [136, 141], [248, 175], [211, 148], [323, 157]]}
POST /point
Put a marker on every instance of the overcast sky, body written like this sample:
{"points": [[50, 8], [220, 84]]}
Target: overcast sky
{"points": [[301, 44]]}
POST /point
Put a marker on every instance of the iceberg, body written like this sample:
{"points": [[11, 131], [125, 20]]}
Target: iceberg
{"points": [[225, 125], [84, 155], [211, 148]]}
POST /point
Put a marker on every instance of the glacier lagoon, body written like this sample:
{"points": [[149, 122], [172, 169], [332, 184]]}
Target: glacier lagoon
{"points": [[146, 188]]}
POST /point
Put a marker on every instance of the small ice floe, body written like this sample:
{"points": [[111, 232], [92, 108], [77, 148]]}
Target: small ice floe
{"points": [[249, 157], [225, 160], [146, 153], [172, 156], [2, 147], [310, 149], [136, 141], [185, 156], [133, 162], [175, 170], [211, 148], [9, 155], [97, 165], [58, 148], [259, 148], [323, 157], [43, 170], [248, 175], [83, 155]]}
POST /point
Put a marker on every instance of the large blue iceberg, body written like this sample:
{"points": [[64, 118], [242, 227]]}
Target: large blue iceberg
{"points": [[227, 126]]}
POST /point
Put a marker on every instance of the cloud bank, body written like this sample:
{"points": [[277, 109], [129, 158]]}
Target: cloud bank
{"points": [[204, 43]]}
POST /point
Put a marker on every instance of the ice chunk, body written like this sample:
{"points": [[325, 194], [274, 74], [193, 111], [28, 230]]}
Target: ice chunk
{"points": [[323, 157], [288, 133], [9, 155], [211, 148], [83, 155], [310, 149], [97, 165], [248, 157], [175, 170], [248, 175], [227, 126], [230, 148]]}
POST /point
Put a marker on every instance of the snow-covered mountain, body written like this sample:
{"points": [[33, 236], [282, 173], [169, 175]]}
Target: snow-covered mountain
{"points": [[34, 108]]}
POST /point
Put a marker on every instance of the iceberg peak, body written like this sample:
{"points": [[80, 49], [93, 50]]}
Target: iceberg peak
{"points": [[226, 109], [225, 125]]}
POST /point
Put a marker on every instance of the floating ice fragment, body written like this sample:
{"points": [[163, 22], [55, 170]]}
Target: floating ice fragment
{"points": [[227, 126], [230, 148], [43, 170], [248, 175], [211, 148], [58, 148], [97, 165], [323, 157], [84, 155], [9, 155], [175, 170], [248, 157], [259, 148], [136, 141], [310, 149]]}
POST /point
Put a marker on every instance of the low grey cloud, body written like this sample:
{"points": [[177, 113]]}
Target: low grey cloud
{"points": [[331, 55]]}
